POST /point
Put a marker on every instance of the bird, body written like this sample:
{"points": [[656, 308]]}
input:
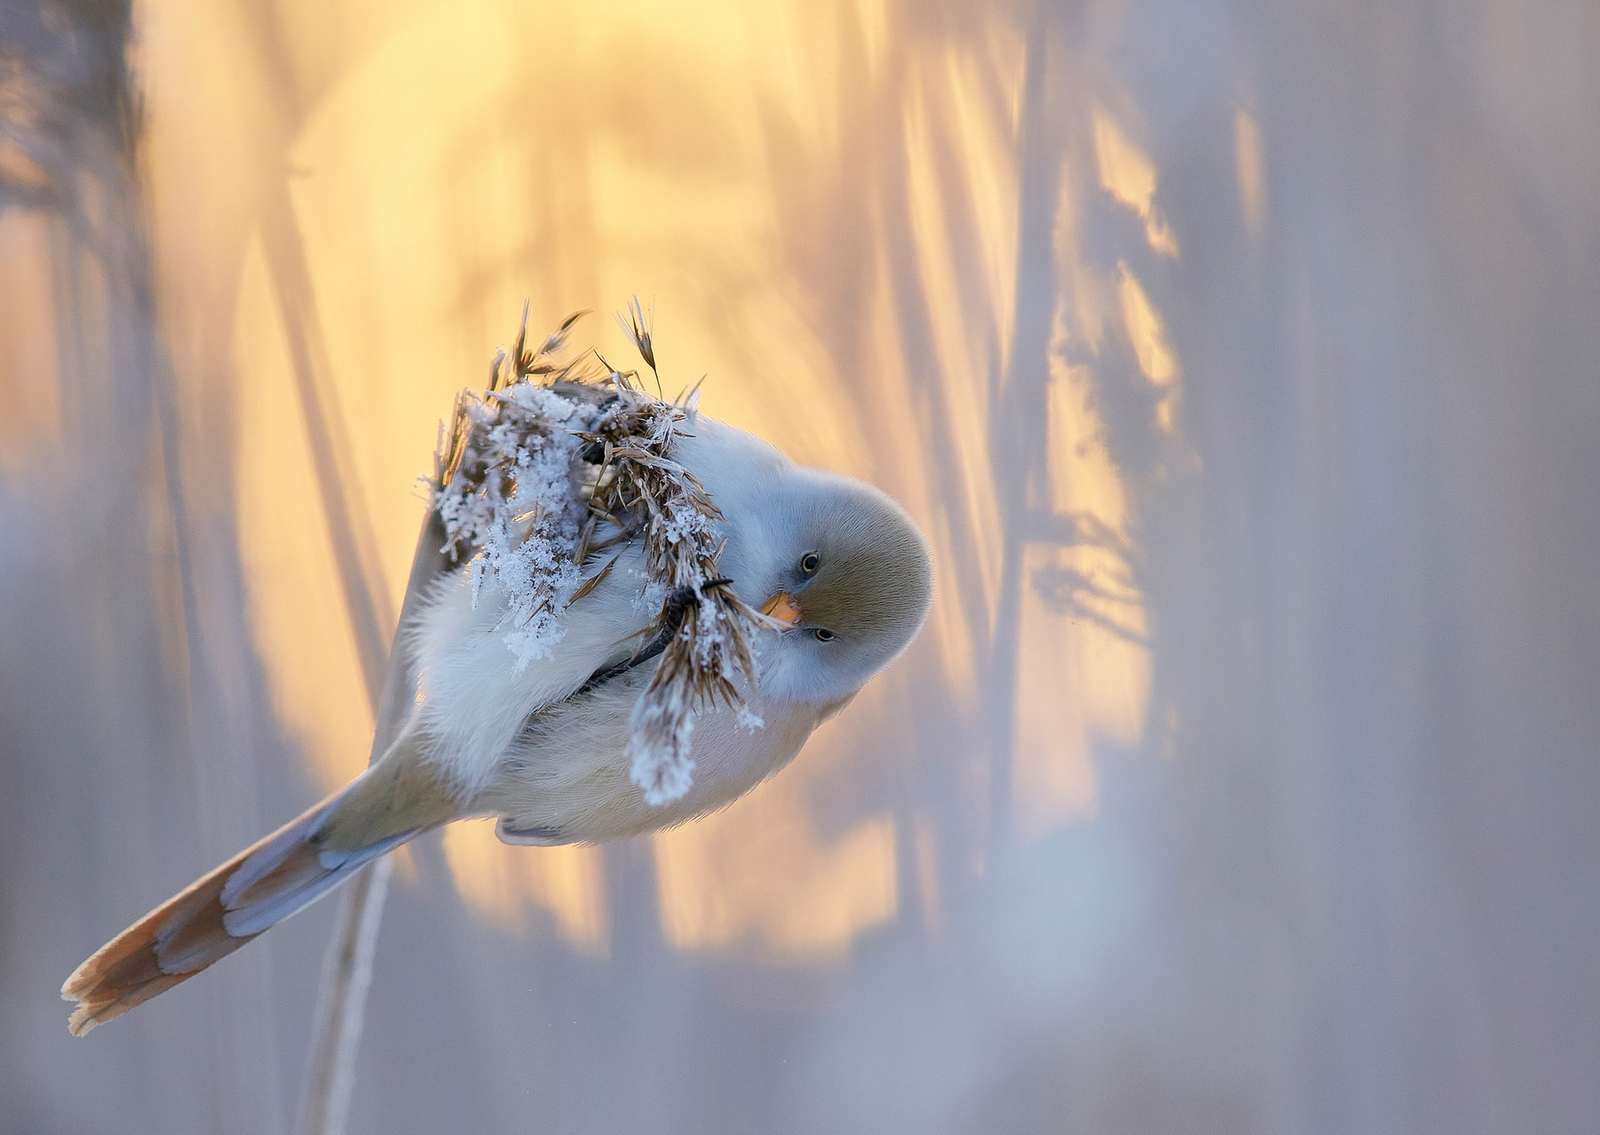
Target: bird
{"points": [[842, 573]]}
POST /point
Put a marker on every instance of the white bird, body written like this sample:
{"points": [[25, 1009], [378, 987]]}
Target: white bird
{"points": [[543, 750]]}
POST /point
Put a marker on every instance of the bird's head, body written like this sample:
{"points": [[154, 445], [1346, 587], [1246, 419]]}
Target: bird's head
{"points": [[846, 572]]}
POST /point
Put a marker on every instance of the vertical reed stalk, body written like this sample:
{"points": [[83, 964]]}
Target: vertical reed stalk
{"points": [[347, 970]]}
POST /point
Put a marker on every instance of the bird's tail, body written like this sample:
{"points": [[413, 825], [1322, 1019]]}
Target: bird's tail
{"points": [[394, 801]]}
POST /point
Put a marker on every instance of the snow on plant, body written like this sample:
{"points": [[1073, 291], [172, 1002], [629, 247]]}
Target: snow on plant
{"points": [[555, 465]]}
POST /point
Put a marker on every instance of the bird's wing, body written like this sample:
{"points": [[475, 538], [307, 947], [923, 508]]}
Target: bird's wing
{"points": [[474, 699]]}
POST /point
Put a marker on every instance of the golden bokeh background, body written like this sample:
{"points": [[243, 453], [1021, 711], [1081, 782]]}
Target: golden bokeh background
{"points": [[1235, 362]]}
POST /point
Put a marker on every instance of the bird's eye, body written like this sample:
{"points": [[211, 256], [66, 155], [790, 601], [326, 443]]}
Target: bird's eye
{"points": [[824, 634], [809, 563]]}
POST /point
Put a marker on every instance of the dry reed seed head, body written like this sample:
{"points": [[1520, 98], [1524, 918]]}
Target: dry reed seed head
{"points": [[530, 470], [638, 326]]}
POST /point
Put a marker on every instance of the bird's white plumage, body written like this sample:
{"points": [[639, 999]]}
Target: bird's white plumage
{"points": [[472, 700], [566, 777]]}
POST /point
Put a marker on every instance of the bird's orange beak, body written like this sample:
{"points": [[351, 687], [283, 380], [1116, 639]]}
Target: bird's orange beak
{"points": [[783, 608]]}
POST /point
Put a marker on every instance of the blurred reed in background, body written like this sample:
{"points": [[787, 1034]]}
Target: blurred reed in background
{"points": [[1238, 360]]}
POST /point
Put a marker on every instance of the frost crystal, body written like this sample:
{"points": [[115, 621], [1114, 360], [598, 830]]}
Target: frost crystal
{"points": [[516, 501], [661, 765]]}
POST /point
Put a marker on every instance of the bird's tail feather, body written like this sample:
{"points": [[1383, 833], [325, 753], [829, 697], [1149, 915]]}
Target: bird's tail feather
{"points": [[254, 891]]}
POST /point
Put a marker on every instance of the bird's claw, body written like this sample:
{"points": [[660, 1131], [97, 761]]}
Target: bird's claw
{"points": [[682, 598]]}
